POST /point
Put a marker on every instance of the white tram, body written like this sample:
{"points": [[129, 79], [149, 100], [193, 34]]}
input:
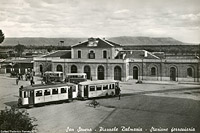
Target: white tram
{"points": [[99, 88], [37, 94]]}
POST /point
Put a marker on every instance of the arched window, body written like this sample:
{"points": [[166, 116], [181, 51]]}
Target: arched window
{"points": [[73, 69], [105, 54], [173, 74], [91, 55], [153, 71], [117, 73], [135, 72], [100, 73], [87, 71], [59, 68], [189, 72]]}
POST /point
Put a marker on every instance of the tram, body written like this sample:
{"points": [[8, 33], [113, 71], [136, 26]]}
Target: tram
{"points": [[99, 88], [40, 94]]}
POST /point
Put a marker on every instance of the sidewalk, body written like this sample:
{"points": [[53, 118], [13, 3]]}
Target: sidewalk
{"points": [[165, 82]]}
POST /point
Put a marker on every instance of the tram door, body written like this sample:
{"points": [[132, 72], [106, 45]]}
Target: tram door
{"points": [[31, 98], [86, 91], [70, 93]]}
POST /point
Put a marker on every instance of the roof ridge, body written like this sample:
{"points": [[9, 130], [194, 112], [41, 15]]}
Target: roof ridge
{"points": [[79, 43], [106, 42]]}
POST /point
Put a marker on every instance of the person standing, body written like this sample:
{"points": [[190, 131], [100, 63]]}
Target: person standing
{"points": [[119, 92], [17, 81]]}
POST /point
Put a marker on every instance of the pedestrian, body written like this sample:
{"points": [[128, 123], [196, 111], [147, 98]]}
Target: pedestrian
{"points": [[17, 81], [32, 81], [119, 92], [21, 87]]}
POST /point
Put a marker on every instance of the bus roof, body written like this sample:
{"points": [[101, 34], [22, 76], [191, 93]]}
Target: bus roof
{"points": [[75, 74], [45, 86], [97, 82], [53, 72]]}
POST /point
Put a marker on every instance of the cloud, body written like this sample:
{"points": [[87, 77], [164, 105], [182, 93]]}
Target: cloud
{"points": [[105, 18]]}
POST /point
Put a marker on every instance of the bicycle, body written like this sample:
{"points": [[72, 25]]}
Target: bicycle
{"points": [[94, 104]]}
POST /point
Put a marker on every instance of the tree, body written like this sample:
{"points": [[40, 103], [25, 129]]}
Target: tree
{"points": [[1, 36], [19, 49], [15, 120]]}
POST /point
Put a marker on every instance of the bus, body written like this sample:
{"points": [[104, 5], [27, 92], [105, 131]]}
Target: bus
{"points": [[50, 76], [40, 93], [99, 88], [76, 77]]}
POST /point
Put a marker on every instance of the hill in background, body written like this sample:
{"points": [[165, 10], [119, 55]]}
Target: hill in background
{"points": [[123, 40], [131, 41]]}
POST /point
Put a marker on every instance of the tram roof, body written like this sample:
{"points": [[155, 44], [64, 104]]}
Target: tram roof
{"points": [[45, 86], [97, 82]]}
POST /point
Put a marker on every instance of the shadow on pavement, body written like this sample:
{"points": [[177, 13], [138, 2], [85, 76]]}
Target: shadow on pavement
{"points": [[12, 103]]}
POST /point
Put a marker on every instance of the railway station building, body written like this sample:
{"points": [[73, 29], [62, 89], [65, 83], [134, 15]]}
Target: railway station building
{"points": [[103, 59]]}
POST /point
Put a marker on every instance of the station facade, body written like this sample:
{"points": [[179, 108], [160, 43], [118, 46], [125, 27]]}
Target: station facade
{"points": [[103, 59]]}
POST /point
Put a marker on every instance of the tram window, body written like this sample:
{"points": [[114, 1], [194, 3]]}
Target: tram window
{"points": [[92, 88], [47, 92], [98, 87], [113, 86], [63, 90], [25, 96], [38, 93], [105, 87], [73, 89], [55, 91], [20, 93]]}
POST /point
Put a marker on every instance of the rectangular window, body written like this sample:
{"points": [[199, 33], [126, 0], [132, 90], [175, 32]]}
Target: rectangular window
{"points": [[98, 87], [92, 88], [55, 91], [38, 93], [47, 92], [105, 54], [79, 54], [105, 87], [63, 90]]}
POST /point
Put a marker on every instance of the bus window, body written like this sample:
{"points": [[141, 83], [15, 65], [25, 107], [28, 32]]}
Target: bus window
{"points": [[25, 96], [98, 87], [92, 88], [105, 87], [38, 93], [47, 92], [63, 90], [55, 91]]}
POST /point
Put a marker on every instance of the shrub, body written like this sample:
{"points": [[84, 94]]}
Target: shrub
{"points": [[16, 120]]}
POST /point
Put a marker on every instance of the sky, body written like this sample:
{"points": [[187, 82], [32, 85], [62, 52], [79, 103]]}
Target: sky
{"points": [[179, 19]]}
